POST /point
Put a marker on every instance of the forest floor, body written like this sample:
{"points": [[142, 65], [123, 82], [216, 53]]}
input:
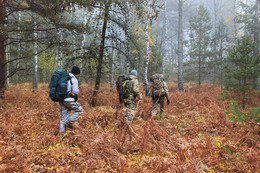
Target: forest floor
{"points": [[194, 135]]}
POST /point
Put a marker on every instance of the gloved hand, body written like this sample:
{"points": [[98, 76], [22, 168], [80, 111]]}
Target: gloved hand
{"points": [[168, 101], [75, 96], [140, 96]]}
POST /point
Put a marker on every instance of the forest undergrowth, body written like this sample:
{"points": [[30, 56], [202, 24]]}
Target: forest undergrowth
{"points": [[194, 135]]}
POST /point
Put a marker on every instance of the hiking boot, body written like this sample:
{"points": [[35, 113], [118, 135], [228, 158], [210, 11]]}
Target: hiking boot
{"points": [[62, 134], [69, 125]]}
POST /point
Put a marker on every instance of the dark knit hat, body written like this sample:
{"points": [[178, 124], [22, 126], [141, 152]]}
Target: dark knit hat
{"points": [[75, 70]]}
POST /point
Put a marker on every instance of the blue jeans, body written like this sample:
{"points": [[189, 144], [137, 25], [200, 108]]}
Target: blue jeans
{"points": [[65, 109]]}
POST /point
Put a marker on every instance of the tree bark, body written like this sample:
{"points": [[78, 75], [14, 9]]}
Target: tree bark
{"points": [[60, 53], [147, 51], [17, 62], [258, 23], [180, 46], [101, 56], [2, 50], [35, 76], [165, 39]]}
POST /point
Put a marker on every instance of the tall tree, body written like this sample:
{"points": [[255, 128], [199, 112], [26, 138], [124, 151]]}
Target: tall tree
{"points": [[101, 54], [17, 62], [180, 46], [35, 76], [258, 22], [147, 4], [242, 68], [221, 40], [165, 37], [2, 48], [200, 27]]}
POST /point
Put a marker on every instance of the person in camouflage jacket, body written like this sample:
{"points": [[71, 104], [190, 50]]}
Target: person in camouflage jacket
{"points": [[158, 97], [129, 102]]}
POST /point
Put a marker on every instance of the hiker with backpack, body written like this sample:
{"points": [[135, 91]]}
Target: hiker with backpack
{"points": [[64, 88], [158, 92], [128, 90]]}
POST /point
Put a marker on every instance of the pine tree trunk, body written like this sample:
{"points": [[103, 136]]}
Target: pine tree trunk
{"points": [[2, 50], [112, 82], [8, 64], [221, 62], [17, 62], [180, 46], [7, 51], [35, 76], [101, 56], [258, 23]]}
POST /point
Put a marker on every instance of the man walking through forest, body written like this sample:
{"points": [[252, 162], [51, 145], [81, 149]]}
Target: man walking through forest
{"points": [[158, 92], [128, 90], [70, 102]]}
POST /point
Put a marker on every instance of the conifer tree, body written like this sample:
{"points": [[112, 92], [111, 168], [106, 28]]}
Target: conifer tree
{"points": [[243, 67], [200, 27]]}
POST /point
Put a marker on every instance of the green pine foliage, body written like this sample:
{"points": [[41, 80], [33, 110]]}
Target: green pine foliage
{"points": [[200, 27], [241, 70]]}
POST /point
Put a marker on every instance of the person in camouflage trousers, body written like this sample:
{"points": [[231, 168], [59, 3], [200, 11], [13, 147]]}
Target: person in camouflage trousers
{"points": [[158, 93], [129, 102], [70, 103]]}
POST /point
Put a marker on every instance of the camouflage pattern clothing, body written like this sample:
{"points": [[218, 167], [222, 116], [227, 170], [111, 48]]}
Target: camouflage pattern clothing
{"points": [[70, 104], [129, 102], [159, 99], [65, 110]]}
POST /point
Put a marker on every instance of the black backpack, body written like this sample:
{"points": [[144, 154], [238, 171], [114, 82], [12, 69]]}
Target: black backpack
{"points": [[124, 87], [58, 85]]}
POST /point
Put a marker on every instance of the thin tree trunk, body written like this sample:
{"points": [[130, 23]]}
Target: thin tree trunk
{"points": [[2, 51], [8, 64], [101, 56], [83, 44], [112, 82], [55, 60], [199, 66], [214, 79], [17, 62], [60, 53], [235, 21], [7, 51], [258, 23], [35, 76], [180, 46], [147, 51], [165, 39], [221, 62]]}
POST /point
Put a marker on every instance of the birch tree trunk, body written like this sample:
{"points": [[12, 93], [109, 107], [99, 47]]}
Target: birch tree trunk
{"points": [[35, 76], [147, 49], [101, 56], [180, 46], [2, 50], [83, 44], [165, 39]]}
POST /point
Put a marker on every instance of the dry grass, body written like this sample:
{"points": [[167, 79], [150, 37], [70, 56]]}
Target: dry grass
{"points": [[193, 136]]}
